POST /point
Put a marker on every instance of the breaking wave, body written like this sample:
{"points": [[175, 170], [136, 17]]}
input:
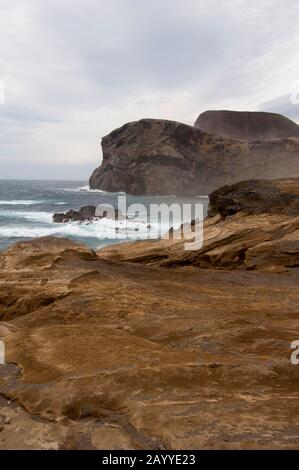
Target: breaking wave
{"points": [[20, 202], [23, 202], [84, 189], [41, 216], [101, 230]]}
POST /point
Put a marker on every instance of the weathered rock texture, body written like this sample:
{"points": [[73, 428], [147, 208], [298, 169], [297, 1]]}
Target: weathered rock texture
{"points": [[246, 125], [279, 197], [109, 355], [165, 157]]}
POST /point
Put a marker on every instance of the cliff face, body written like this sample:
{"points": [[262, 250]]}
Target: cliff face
{"points": [[161, 157], [245, 125]]}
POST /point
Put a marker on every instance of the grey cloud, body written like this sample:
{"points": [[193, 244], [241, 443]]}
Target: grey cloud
{"points": [[24, 115], [282, 105], [76, 69], [44, 171]]}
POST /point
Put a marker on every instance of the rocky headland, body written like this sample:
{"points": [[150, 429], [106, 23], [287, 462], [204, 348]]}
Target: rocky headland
{"points": [[146, 346], [159, 157]]}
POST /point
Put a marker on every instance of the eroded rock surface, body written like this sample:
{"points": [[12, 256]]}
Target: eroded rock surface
{"points": [[257, 197], [103, 354]]}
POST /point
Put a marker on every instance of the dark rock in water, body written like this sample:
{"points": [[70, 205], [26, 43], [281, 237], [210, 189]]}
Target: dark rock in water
{"points": [[246, 125], [159, 157], [87, 214]]}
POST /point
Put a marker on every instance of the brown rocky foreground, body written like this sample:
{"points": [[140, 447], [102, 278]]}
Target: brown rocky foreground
{"points": [[108, 354]]}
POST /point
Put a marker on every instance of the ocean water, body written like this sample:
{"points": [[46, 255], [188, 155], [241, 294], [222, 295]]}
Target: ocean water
{"points": [[27, 207]]}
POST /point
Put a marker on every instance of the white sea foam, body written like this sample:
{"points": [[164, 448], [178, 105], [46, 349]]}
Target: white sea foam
{"points": [[41, 216], [84, 189], [20, 202], [101, 230], [88, 190]]}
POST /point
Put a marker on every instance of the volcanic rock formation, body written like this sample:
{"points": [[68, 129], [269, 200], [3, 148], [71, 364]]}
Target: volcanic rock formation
{"points": [[246, 125], [165, 157]]}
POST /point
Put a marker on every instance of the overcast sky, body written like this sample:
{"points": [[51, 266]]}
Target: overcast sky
{"points": [[74, 70]]}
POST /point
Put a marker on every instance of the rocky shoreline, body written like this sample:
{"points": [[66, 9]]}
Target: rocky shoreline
{"points": [[146, 346], [251, 225]]}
